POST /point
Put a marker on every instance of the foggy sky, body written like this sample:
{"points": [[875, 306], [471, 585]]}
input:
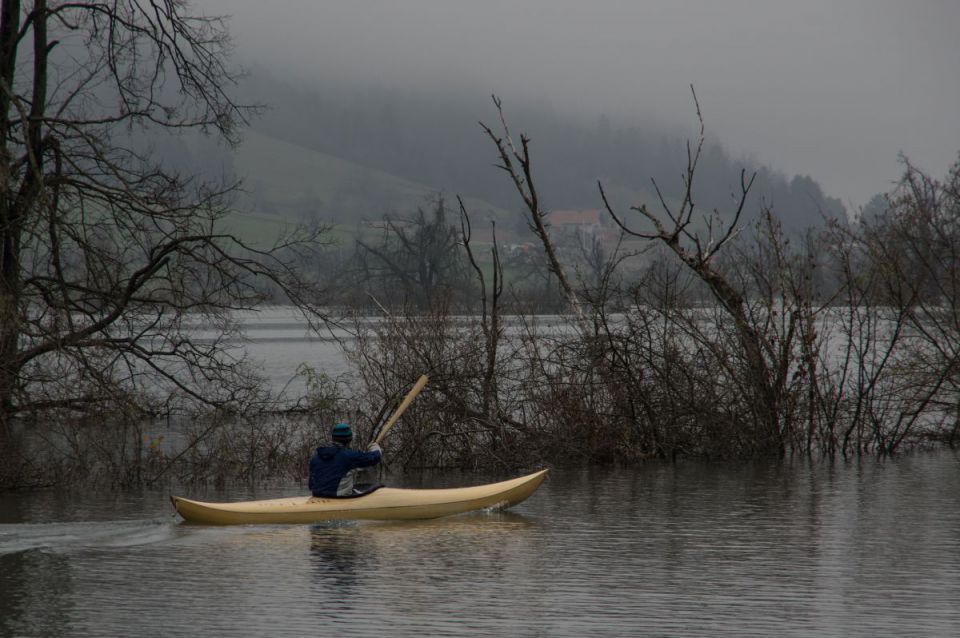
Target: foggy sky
{"points": [[834, 89]]}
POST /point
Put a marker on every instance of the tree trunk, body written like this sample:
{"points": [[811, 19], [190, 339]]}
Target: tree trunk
{"points": [[9, 220]]}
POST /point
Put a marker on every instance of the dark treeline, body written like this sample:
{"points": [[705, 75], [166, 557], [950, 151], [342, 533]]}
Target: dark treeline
{"points": [[734, 346], [413, 262]]}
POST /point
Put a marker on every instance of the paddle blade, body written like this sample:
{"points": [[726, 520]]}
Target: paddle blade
{"points": [[407, 400]]}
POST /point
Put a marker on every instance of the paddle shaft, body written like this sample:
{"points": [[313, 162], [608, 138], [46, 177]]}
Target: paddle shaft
{"points": [[407, 400]]}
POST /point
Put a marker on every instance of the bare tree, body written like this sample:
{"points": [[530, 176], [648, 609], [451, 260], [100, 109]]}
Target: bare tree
{"points": [[517, 163], [698, 248], [110, 263], [417, 260], [490, 319], [904, 267]]}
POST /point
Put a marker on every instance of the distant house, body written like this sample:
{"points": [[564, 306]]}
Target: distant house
{"points": [[587, 220]]}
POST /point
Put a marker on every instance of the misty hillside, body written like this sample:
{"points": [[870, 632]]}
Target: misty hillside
{"points": [[349, 154], [285, 178], [285, 184], [379, 150]]}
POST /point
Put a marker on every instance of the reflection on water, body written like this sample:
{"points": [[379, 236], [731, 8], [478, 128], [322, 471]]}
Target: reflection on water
{"points": [[336, 560], [845, 549], [416, 572]]}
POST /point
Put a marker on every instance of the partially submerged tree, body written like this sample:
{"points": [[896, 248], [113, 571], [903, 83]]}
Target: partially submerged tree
{"points": [[109, 263], [908, 269], [762, 322]]}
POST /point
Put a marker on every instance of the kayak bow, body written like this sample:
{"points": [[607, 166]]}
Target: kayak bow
{"points": [[386, 503]]}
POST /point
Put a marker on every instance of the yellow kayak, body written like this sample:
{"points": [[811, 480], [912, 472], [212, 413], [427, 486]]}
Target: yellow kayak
{"points": [[386, 503]]}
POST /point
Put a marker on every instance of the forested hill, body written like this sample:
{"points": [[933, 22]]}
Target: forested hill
{"points": [[436, 140]]}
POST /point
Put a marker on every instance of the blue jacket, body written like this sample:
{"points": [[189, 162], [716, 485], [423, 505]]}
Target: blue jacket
{"points": [[332, 469]]}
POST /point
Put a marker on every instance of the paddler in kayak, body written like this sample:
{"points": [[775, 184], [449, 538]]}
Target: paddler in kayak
{"points": [[333, 469]]}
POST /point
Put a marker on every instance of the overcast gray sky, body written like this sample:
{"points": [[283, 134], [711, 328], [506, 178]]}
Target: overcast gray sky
{"points": [[830, 88]]}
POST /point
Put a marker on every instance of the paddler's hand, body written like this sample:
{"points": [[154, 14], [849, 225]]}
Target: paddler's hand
{"points": [[374, 447]]}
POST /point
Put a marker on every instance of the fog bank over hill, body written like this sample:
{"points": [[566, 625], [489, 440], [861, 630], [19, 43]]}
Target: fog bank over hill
{"points": [[437, 141], [830, 90]]}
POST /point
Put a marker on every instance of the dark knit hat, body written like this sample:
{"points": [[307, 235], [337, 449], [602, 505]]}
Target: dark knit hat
{"points": [[341, 431]]}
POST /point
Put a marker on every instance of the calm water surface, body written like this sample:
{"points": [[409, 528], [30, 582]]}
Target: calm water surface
{"points": [[845, 549]]}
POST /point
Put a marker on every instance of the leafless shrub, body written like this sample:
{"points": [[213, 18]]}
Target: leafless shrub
{"points": [[838, 344]]}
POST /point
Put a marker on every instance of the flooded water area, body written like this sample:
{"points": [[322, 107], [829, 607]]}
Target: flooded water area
{"points": [[861, 548]]}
